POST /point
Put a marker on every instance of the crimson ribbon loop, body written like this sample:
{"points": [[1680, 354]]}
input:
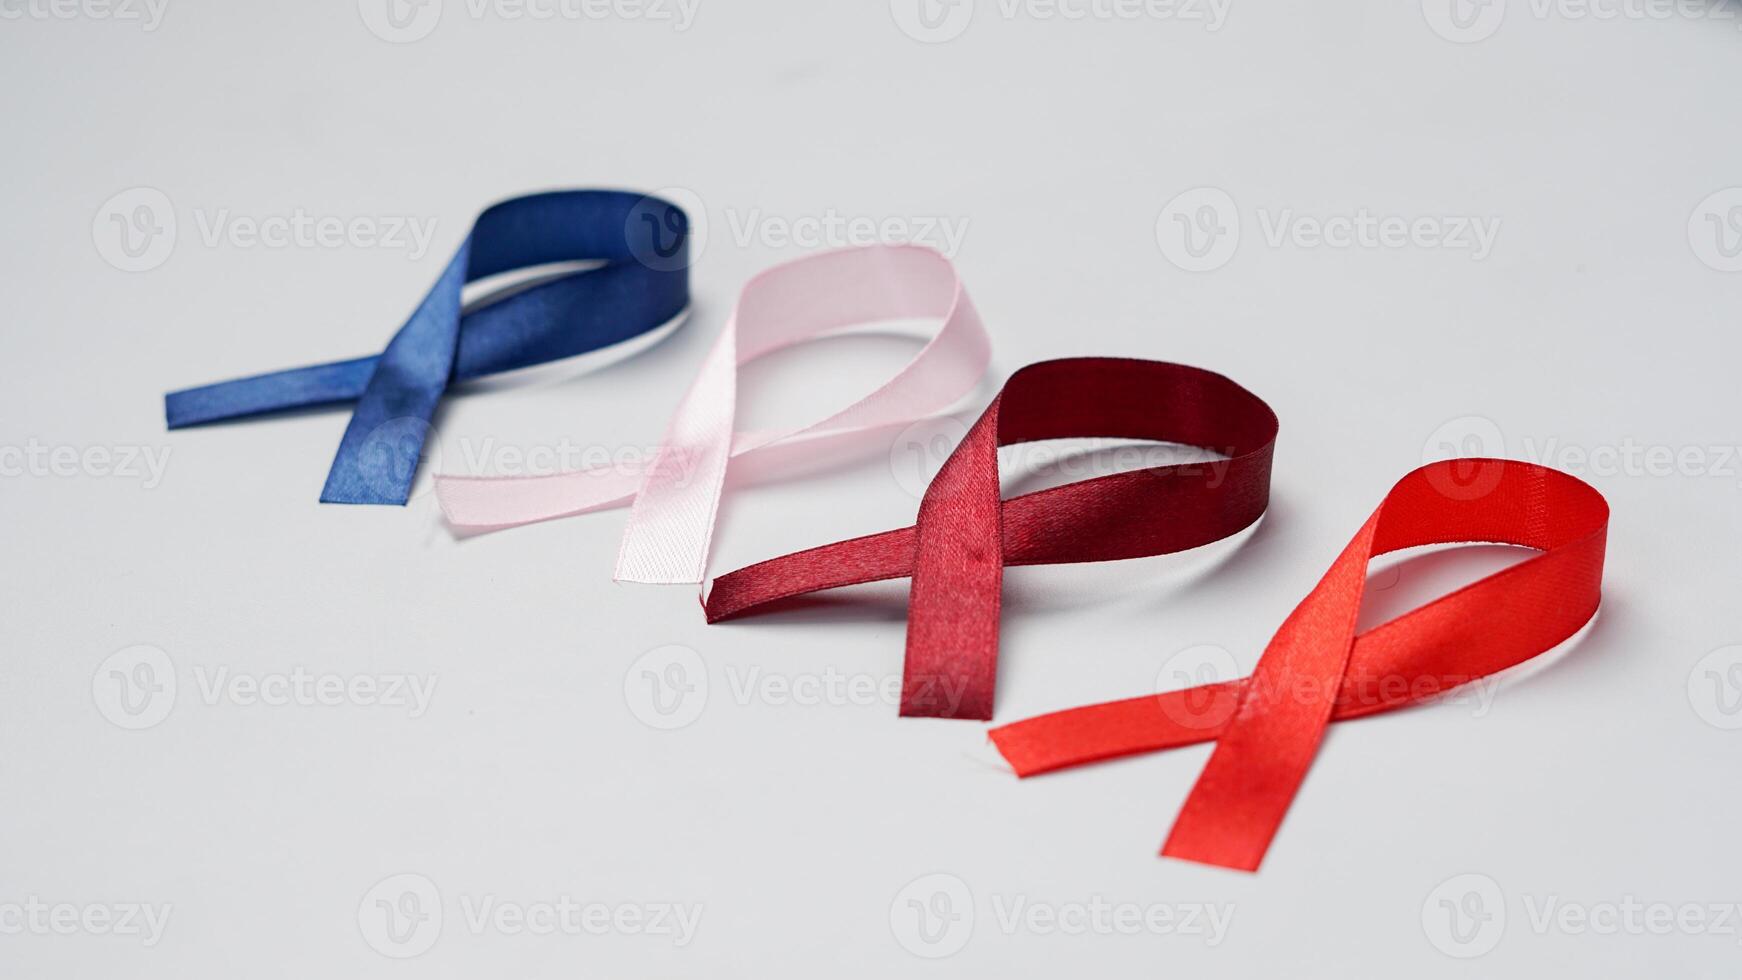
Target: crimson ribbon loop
{"points": [[965, 535], [1267, 727]]}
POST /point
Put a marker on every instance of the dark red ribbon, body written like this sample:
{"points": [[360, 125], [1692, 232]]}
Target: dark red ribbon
{"points": [[965, 535], [1267, 726]]}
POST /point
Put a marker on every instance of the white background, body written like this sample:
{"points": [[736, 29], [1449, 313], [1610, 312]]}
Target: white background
{"points": [[1596, 323]]}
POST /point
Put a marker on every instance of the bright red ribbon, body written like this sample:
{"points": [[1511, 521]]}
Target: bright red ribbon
{"points": [[965, 535], [1267, 726]]}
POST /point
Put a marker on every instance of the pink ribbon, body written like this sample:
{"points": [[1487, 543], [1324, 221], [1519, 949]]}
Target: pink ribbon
{"points": [[676, 496]]}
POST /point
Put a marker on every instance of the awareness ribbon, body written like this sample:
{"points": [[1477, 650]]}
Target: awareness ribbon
{"points": [[964, 535], [676, 495], [643, 243], [1317, 669]]}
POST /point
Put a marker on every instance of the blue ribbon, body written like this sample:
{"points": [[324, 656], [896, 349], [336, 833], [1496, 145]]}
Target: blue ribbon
{"points": [[644, 282]]}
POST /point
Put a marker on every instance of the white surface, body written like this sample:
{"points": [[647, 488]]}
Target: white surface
{"points": [[1594, 322]]}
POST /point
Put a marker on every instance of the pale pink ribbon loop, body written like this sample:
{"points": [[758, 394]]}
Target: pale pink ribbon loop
{"points": [[676, 496]]}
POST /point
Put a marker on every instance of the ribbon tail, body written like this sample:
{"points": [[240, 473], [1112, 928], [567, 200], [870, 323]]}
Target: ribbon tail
{"points": [[378, 457], [304, 387], [951, 666], [671, 524]]}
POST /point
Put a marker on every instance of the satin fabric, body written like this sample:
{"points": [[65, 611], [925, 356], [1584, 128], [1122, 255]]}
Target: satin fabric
{"points": [[965, 535], [676, 495], [1268, 726], [642, 284]]}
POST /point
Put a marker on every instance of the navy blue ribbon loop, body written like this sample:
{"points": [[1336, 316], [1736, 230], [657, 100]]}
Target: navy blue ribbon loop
{"points": [[642, 283]]}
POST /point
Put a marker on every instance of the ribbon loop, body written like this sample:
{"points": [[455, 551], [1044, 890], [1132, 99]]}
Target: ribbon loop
{"points": [[643, 284], [1267, 727], [676, 495], [965, 535]]}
